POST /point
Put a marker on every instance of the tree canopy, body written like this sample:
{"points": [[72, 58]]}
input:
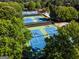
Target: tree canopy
{"points": [[31, 5], [65, 44], [18, 7], [13, 34], [7, 12], [66, 13]]}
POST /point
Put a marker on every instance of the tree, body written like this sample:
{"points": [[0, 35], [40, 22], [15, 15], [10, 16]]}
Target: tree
{"points": [[65, 44], [19, 1], [74, 2], [13, 34], [66, 13], [38, 5], [7, 12], [12, 37], [78, 15], [3, 4], [43, 4], [17, 6], [31, 5], [59, 2]]}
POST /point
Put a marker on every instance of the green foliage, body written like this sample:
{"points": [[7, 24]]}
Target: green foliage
{"points": [[78, 14], [19, 1], [12, 37], [63, 2], [59, 2], [74, 2], [17, 6], [32, 5], [13, 34], [72, 30], [66, 13], [38, 4], [43, 4], [65, 45], [48, 10], [3, 4], [26, 5], [7, 12], [71, 34]]}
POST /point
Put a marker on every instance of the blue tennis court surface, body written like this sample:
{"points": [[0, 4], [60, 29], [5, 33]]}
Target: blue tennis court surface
{"points": [[36, 33], [51, 31], [28, 20], [32, 19], [37, 42]]}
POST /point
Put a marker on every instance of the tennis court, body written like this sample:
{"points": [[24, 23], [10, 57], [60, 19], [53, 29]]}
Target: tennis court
{"points": [[51, 31], [38, 36], [34, 19], [39, 33], [36, 33], [46, 30], [37, 42]]}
